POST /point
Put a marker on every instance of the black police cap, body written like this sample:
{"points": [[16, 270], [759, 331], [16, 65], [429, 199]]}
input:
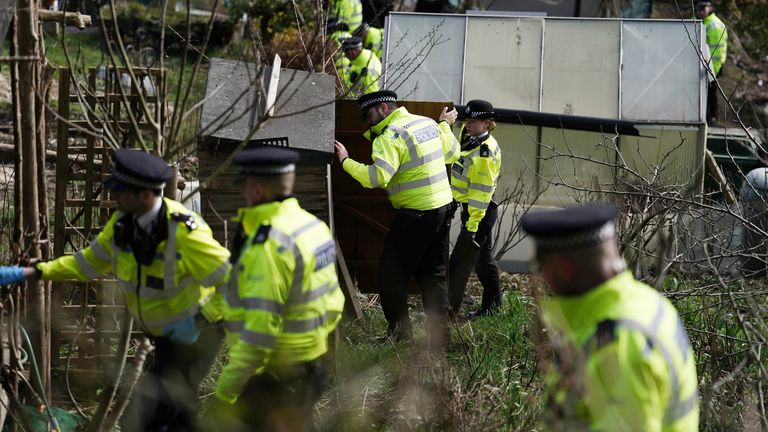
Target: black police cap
{"points": [[266, 161], [362, 29], [333, 24], [136, 169], [352, 43], [701, 4], [479, 109], [570, 228], [374, 98]]}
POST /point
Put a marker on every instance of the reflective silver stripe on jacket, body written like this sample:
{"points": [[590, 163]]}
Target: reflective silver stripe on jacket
{"points": [[88, 270], [676, 408], [373, 174], [318, 292], [288, 242], [169, 272], [481, 187], [460, 190], [414, 184], [216, 276], [306, 325], [99, 251], [254, 338], [262, 304], [477, 204], [437, 154]]}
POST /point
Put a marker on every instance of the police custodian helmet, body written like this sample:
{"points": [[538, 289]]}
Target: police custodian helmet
{"points": [[571, 228], [136, 169]]}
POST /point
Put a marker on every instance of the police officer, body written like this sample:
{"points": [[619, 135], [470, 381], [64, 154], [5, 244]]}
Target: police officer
{"points": [[409, 157], [373, 38], [350, 12], [473, 181], [717, 41], [364, 68], [337, 32], [166, 262], [622, 357], [282, 301]]}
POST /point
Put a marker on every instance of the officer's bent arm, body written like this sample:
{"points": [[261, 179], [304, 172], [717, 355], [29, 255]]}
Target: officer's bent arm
{"points": [[386, 161], [263, 283], [481, 185], [451, 150], [86, 264]]}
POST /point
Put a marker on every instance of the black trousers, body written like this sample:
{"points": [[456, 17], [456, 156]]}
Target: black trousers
{"points": [[465, 257], [278, 400], [166, 398], [712, 97], [416, 247]]}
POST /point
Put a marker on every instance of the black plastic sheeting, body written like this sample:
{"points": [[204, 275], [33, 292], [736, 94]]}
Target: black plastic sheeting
{"points": [[561, 121]]}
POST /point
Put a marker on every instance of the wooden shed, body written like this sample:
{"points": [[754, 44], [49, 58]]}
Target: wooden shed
{"points": [[302, 119]]}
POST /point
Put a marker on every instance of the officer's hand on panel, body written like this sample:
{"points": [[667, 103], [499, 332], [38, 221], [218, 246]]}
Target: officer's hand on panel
{"points": [[15, 274], [341, 151], [449, 116], [183, 332]]}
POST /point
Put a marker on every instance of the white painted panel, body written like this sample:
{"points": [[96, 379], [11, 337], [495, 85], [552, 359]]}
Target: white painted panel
{"points": [[503, 62], [425, 57], [581, 58], [661, 74]]}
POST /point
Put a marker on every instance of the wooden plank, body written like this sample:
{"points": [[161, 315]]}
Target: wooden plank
{"points": [[717, 174], [348, 287]]}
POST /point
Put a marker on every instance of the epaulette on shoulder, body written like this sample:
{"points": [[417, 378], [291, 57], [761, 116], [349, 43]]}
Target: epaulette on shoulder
{"points": [[606, 333], [485, 151], [188, 220], [262, 234]]}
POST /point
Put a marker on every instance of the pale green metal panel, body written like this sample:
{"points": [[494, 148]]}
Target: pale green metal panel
{"points": [[518, 162], [577, 68], [503, 61], [574, 162], [663, 156]]}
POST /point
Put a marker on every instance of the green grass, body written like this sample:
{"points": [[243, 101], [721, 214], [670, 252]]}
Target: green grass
{"points": [[488, 381]]}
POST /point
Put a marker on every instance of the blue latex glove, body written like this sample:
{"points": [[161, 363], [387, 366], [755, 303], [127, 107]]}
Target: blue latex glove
{"points": [[11, 275], [185, 331]]}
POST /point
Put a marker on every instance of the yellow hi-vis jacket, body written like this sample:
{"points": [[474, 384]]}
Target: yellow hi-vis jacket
{"points": [[363, 74], [374, 41], [283, 297], [187, 266], [717, 40], [349, 12], [409, 157], [628, 363], [474, 178]]}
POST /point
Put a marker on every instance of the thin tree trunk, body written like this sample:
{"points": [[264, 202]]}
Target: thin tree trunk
{"points": [[28, 44]]}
